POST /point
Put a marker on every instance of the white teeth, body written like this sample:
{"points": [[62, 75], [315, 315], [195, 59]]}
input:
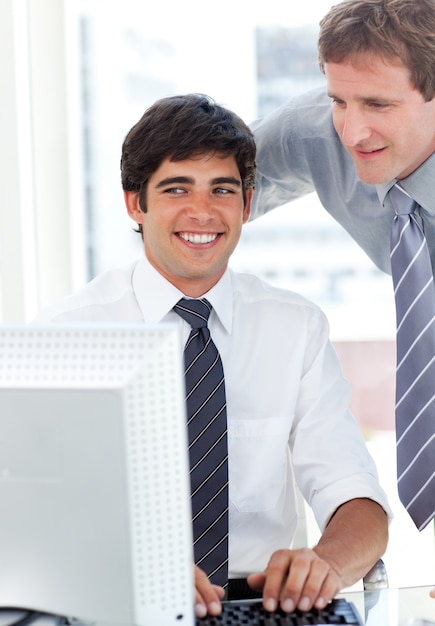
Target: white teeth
{"points": [[197, 238]]}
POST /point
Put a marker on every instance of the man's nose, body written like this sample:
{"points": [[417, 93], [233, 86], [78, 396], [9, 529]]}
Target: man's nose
{"points": [[355, 128], [201, 205]]}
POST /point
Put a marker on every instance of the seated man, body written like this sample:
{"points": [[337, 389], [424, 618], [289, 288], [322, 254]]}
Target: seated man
{"points": [[188, 172]]}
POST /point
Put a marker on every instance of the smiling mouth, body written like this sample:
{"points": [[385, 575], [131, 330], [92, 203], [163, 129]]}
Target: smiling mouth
{"points": [[198, 237], [369, 152]]}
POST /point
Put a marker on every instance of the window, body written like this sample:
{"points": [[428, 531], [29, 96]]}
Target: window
{"points": [[77, 75]]}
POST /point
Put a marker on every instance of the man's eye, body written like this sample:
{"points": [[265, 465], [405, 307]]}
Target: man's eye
{"points": [[174, 190], [378, 105], [223, 190]]}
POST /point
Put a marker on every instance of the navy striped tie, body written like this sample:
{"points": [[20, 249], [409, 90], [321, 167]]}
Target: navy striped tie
{"points": [[415, 370], [207, 433]]}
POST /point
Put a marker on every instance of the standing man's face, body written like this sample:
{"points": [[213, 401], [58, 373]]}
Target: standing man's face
{"points": [[382, 120]]}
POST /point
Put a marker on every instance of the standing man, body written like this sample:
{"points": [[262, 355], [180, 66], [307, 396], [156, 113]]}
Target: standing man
{"points": [[374, 124], [188, 171], [369, 154]]}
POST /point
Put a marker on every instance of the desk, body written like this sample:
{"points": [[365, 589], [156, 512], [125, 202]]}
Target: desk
{"points": [[387, 607], [393, 607]]}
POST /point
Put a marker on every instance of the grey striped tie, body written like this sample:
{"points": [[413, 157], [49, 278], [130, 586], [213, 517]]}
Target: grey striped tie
{"points": [[208, 451], [415, 370]]}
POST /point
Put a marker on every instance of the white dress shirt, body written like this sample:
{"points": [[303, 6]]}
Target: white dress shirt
{"points": [[287, 400]]}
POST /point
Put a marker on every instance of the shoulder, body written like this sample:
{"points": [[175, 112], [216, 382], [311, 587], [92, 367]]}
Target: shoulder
{"points": [[270, 316], [95, 301], [251, 291], [298, 150], [302, 116]]}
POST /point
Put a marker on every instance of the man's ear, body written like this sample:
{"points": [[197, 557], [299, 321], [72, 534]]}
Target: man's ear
{"points": [[247, 209], [131, 199]]}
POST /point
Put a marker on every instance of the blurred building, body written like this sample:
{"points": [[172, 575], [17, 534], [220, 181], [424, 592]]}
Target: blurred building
{"points": [[127, 61]]}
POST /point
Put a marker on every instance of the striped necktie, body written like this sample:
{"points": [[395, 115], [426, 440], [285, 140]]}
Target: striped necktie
{"points": [[415, 369], [207, 434]]}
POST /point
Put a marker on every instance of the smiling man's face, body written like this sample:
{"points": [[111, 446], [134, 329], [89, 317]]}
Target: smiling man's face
{"points": [[195, 213], [382, 120]]}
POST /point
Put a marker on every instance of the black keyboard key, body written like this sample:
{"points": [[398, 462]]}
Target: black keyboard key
{"points": [[251, 613]]}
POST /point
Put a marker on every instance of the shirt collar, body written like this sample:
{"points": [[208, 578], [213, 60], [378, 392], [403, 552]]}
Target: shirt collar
{"points": [[221, 298], [146, 280], [419, 185]]}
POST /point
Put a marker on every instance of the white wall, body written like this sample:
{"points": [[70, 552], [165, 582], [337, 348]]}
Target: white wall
{"points": [[37, 236]]}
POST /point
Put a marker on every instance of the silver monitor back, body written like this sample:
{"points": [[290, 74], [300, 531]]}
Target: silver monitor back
{"points": [[94, 491]]}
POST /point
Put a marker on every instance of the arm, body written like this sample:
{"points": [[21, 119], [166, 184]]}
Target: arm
{"points": [[338, 479], [354, 539], [298, 151], [282, 172]]}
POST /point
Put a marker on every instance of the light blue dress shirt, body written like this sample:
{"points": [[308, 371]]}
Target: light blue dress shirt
{"points": [[300, 152]]}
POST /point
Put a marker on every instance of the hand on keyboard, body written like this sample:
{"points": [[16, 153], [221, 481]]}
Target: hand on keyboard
{"points": [[208, 597], [296, 579]]}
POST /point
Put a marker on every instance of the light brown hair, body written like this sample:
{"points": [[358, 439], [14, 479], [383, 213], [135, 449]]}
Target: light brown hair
{"points": [[401, 30]]}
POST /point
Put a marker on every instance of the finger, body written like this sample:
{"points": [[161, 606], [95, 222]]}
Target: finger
{"points": [[207, 596], [200, 605], [293, 593], [330, 588], [306, 581], [313, 580], [256, 581], [208, 604], [275, 576]]}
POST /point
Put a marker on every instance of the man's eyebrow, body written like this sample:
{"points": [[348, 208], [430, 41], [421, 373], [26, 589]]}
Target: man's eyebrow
{"points": [[367, 99], [226, 180], [172, 180], [186, 180]]}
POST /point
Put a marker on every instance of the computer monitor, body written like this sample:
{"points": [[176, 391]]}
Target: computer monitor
{"points": [[95, 519]]}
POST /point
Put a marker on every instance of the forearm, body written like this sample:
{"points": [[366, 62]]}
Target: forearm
{"points": [[355, 538]]}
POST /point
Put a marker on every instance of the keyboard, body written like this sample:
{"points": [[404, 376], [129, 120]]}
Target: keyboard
{"points": [[251, 613]]}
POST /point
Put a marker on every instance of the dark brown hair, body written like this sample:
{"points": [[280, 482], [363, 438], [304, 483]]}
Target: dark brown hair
{"points": [[180, 127]]}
